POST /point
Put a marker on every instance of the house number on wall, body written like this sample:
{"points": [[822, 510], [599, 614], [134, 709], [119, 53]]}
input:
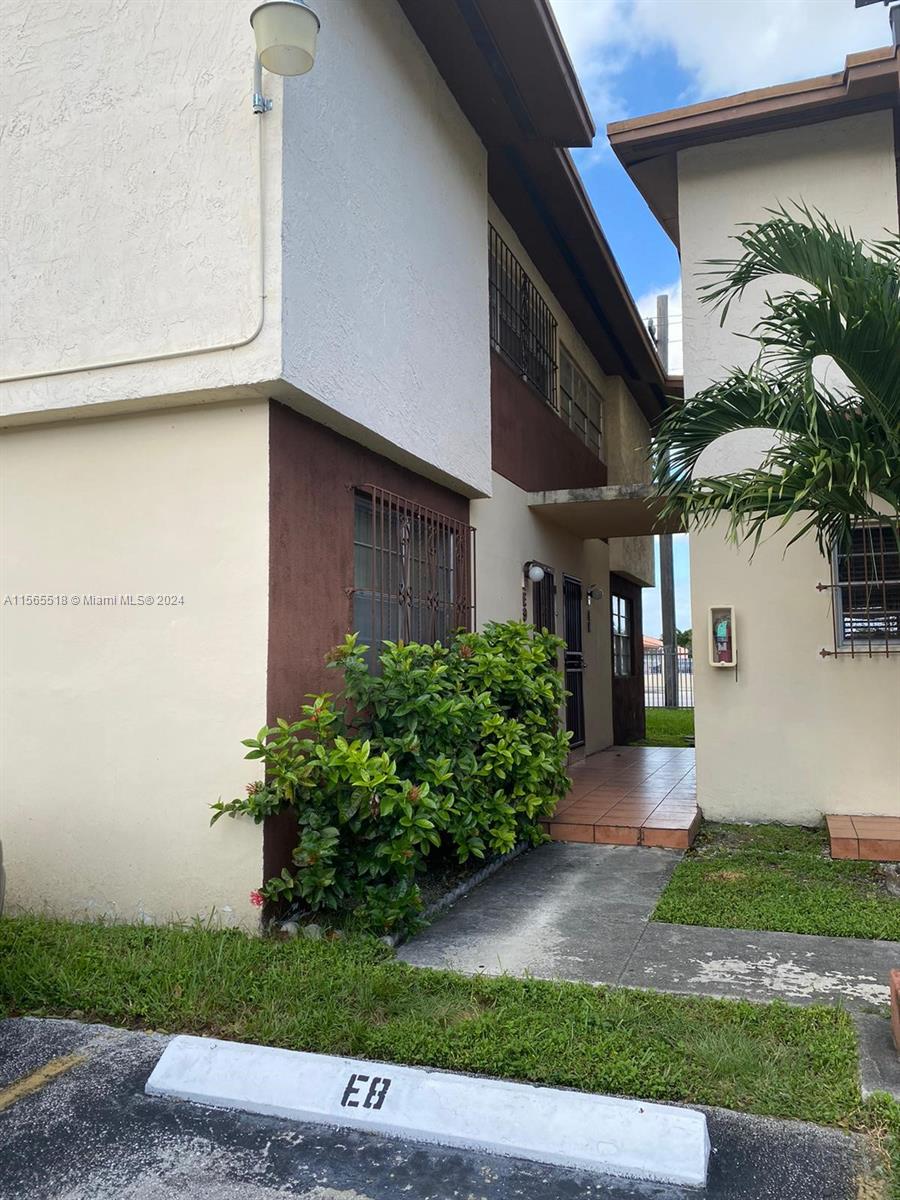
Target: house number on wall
{"points": [[374, 1097]]}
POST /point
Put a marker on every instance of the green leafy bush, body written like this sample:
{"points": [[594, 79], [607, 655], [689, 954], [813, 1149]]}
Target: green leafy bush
{"points": [[452, 748]]}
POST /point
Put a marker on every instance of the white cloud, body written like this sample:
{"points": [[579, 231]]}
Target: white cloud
{"points": [[724, 46], [646, 306]]}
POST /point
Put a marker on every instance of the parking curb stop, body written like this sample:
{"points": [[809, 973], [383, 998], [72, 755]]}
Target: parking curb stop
{"points": [[605, 1134]]}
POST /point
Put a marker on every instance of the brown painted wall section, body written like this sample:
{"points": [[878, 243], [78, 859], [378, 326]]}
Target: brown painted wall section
{"points": [[628, 712], [312, 473], [530, 445]]}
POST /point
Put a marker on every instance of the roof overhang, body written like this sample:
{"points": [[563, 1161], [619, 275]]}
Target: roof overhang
{"points": [[628, 510], [508, 68], [648, 146]]}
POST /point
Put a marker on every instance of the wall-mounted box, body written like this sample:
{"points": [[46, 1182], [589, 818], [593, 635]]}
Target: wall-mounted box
{"points": [[722, 636]]}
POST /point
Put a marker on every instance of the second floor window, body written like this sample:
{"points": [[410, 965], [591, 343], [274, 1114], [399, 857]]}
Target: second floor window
{"points": [[580, 404], [413, 575], [523, 329]]}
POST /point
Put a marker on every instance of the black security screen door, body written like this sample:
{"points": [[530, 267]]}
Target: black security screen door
{"points": [[574, 660]]}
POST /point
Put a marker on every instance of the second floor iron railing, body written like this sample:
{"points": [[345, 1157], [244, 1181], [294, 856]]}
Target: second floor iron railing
{"points": [[523, 329]]}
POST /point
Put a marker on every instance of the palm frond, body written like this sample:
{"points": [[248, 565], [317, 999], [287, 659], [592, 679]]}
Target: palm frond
{"points": [[840, 446]]}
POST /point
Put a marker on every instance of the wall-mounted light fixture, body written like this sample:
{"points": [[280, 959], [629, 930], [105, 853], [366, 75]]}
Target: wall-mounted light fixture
{"points": [[534, 572], [286, 32], [593, 593]]}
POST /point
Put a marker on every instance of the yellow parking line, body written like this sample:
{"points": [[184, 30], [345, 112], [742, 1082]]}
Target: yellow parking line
{"points": [[29, 1084]]}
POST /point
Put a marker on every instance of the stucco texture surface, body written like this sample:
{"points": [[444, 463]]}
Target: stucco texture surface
{"points": [[792, 735], [130, 222], [122, 723], [385, 247]]}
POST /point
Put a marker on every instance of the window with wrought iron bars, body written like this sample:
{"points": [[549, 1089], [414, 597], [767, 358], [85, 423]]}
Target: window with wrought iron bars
{"points": [[414, 571], [580, 404], [523, 329], [865, 584]]}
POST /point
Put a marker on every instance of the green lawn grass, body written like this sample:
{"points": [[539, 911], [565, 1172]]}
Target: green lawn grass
{"points": [[777, 877], [668, 726], [352, 997]]}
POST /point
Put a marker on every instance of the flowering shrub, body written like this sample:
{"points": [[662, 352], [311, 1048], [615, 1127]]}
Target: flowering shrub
{"points": [[455, 747]]}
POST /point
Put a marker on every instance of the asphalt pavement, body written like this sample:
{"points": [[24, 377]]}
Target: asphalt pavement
{"points": [[75, 1125]]}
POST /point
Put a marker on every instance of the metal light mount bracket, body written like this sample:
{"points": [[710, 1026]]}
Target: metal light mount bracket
{"points": [[261, 104], [286, 32]]}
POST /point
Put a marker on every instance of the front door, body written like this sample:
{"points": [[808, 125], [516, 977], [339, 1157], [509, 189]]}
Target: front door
{"points": [[572, 596]]}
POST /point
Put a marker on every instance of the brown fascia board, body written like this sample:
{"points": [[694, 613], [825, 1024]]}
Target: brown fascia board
{"points": [[648, 146], [539, 191], [507, 66]]}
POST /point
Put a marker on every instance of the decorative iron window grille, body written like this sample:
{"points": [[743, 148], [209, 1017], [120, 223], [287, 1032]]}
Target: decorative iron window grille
{"points": [[865, 584], [622, 636], [523, 329], [580, 404], [414, 570]]}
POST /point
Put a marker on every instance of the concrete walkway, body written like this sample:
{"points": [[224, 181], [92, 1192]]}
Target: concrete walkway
{"points": [[582, 913]]}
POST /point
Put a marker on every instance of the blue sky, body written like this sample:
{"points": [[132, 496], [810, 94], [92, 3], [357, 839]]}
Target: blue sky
{"points": [[639, 56]]}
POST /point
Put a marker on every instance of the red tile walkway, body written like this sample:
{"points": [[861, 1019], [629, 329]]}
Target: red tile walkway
{"points": [[875, 839], [631, 796]]}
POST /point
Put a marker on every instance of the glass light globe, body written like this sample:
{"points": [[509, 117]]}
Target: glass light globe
{"points": [[286, 32]]}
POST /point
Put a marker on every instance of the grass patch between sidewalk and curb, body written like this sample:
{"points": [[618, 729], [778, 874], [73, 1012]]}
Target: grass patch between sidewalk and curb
{"points": [[777, 877], [351, 997], [667, 727]]}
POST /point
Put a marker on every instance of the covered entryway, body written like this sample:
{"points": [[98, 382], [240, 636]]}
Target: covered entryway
{"points": [[631, 796], [621, 511]]}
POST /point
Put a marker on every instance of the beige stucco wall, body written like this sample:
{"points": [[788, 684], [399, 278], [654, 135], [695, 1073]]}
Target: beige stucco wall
{"points": [[627, 462], [847, 168], [121, 724], [508, 535], [795, 735]]}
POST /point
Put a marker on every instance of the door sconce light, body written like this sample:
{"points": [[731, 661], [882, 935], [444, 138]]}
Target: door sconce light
{"points": [[534, 572], [286, 32], [593, 593]]}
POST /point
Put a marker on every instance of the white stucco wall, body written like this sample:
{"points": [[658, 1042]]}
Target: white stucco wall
{"points": [[796, 735], [508, 535], [129, 224], [385, 248], [120, 725]]}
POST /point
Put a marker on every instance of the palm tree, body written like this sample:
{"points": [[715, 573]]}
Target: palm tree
{"points": [[833, 457]]}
